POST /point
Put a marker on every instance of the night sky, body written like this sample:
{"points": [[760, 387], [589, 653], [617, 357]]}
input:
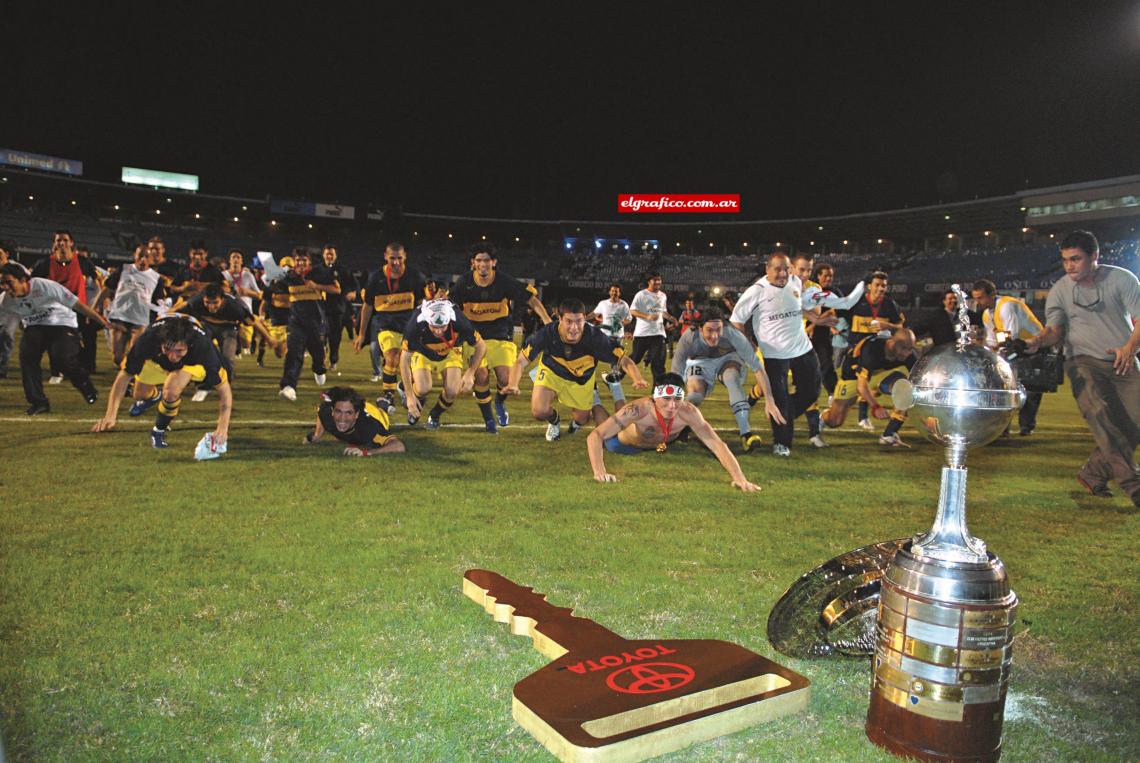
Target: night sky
{"points": [[826, 109]]}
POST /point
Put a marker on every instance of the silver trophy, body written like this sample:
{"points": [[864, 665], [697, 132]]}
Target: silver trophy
{"points": [[946, 611]]}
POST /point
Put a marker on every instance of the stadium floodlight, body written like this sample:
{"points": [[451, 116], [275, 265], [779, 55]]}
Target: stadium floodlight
{"points": [[484, 237], [597, 243], [197, 216], [273, 223], [310, 226], [745, 244], [236, 220], [116, 207], [811, 243], [1025, 230], [946, 217], [710, 245], [987, 233], [449, 235], [878, 241], [244, 208], [716, 291], [821, 227], [517, 238], [158, 179], [569, 245], [31, 198], [415, 233], [845, 242], [74, 202], [158, 211], [626, 246]]}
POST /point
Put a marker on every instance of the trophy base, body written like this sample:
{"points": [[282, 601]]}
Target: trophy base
{"points": [[900, 733]]}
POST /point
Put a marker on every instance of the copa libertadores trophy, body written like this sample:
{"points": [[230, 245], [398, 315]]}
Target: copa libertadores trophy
{"points": [[946, 611]]}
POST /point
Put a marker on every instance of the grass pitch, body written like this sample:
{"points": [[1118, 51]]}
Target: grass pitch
{"points": [[287, 603]]}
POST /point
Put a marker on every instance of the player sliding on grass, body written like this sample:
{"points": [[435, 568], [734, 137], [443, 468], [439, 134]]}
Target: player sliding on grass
{"points": [[654, 422], [170, 354], [363, 426]]}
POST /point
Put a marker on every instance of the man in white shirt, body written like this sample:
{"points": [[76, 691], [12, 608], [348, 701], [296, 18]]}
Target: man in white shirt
{"points": [[48, 312], [649, 308], [612, 316], [135, 291], [776, 305], [1007, 318]]}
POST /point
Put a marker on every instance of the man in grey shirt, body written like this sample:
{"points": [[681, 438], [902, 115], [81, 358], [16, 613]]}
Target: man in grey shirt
{"points": [[717, 351], [1093, 309]]}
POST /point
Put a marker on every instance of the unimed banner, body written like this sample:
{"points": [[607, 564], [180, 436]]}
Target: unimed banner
{"points": [[40, 162]]}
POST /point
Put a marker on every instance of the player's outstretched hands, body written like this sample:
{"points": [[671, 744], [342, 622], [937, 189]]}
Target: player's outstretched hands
{"points": [[773, 411], [355, 452], [880, 413], [746, 486], [643, 384], [467, 382], [358, 343], [105, 424], [220, 437], [605, 477], [511, 389]]}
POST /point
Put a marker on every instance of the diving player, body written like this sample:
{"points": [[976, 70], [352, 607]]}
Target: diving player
{"points": [[432, 340], [872, 367], [170, 354], [362, 426], [568, 353], [488, 298], [653, 422]]}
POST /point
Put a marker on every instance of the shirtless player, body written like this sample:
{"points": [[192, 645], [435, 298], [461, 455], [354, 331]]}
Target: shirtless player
{"points": [[654, 422]]}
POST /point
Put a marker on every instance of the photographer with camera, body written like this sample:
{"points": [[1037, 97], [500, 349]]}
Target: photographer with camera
{"points": [[1008, 319], [1093, 310]]}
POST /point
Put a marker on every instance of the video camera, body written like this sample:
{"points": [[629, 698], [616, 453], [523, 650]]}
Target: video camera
{"points": [[1041, 371]]}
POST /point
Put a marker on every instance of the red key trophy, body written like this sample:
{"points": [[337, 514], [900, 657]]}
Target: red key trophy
{"points": [[606, 698]]}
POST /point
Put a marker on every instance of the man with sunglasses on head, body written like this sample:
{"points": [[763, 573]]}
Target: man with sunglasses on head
{"points": [[652, 423], [1093, 309]]}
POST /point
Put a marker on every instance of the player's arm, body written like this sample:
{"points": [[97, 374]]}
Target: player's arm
{"points": [[225, 408], [318, 431], [468, 380], [406, 375], [690, 415], [180, 306], [103, 295], [634, 373], [770, 406], [327, 288], [522, 362], [595, 441], [84, 310], [539, 309], [365, 319], [260, 327], [636, 313], [114, 398], [394, 445], [865, 392], [827, 299]]}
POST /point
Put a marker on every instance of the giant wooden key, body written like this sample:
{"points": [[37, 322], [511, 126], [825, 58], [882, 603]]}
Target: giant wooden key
{"points": [[606, 698]]}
